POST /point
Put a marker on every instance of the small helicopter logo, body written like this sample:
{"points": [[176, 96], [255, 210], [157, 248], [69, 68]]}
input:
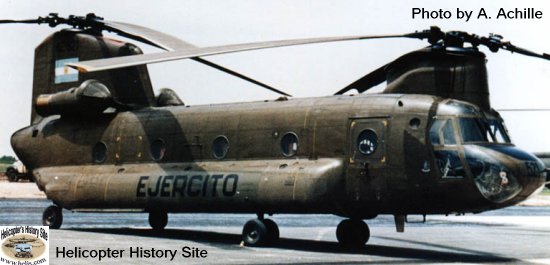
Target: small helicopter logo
{"points": [[23, 251]]}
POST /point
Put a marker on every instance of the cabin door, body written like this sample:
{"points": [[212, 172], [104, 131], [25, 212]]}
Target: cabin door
{"points": [[367, 172]]}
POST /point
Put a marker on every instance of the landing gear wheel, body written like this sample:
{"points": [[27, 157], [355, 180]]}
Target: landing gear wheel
{"points": [[352, 233], [255, 233], [158, 220], [12, 175], [52, 217], [272, 230]]}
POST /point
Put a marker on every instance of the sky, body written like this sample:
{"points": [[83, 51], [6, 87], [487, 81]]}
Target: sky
{"points": [[515, 81]]}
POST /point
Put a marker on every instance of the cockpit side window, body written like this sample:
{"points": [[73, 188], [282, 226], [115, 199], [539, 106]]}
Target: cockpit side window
{"points": [[497, 129], [448, 133], [447, 158], [434, 131], [442, 132]]}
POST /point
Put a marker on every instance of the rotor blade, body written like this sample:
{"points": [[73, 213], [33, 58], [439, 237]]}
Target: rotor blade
{"points": [[494, 42], [171, 43], [147, 35], [238, 75], [139, 33], [24, 21], [522, 110], [366, 82], [231, 72], [509, 47], [127, 61]]}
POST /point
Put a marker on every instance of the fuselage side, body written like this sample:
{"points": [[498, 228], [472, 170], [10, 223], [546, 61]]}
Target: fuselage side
{"points": [[355, 156]]}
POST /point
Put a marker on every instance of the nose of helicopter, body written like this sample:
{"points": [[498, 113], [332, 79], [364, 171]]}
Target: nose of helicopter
{"points": [[505, 174]]}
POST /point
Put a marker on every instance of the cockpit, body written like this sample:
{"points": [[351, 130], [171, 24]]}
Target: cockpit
{"points": [[471, 144], [473, 125]]}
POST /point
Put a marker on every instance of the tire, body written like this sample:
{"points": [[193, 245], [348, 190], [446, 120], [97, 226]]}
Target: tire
{"points": [[272, 230], [255, 233], [11, 173], [158, 220], [52, 217], [352, 233]]}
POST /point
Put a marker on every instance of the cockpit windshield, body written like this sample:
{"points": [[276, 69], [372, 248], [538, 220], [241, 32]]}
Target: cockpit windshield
{"points": [[472, 125], [482, 130], [474, 130]]}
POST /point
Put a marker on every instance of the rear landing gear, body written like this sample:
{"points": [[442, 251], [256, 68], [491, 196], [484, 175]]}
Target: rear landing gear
{"points": [[158, 220], [260, 232], [52, 217], [352, 233]]}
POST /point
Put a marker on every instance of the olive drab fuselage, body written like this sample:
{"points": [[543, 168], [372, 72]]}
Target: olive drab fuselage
{"points": [[356, 156]]}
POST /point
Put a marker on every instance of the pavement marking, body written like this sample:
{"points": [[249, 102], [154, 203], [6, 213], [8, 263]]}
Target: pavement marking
{"points": [[538, 261], [529, 221]]}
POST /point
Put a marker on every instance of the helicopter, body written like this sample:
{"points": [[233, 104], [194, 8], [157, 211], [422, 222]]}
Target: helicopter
{"points": [[430, 143], [21, 247]]}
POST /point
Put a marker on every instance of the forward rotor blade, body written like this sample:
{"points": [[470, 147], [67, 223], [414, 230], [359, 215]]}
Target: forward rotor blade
{"points": [[512, 48], [366, 82], [522, 110], [127, 61], [494, 42]]}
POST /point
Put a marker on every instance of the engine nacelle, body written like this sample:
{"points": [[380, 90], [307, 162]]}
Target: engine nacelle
{"points": [[91, 97]]}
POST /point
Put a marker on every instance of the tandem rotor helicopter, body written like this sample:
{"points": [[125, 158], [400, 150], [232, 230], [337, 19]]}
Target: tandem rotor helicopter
{"points": [[430, 143]]}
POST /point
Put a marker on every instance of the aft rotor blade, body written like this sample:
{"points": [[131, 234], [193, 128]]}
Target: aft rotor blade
{"points": [[147, 35], [127, 61], [139, 33], [171, 43], [22, 21], [233, 73]]}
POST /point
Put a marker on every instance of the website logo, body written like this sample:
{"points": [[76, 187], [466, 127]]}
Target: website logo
{"points": [[24, 245]]}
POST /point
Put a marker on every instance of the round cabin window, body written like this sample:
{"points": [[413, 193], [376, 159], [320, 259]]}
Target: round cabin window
{"points": [[414, 123], [158, 149], [99, 152], [289, 144], [367, 142], [220, 146]]}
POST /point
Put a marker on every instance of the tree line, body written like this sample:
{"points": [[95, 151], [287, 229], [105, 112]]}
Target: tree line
{"points": [[7, 159]]}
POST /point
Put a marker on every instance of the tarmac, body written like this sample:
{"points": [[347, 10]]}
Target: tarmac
{"points": [[515, 235], [20, 190]]}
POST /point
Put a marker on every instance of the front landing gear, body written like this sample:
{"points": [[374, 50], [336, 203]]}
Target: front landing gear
{"points": [[52, 217], [158, 220], [260, 232], [352, 233]]}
